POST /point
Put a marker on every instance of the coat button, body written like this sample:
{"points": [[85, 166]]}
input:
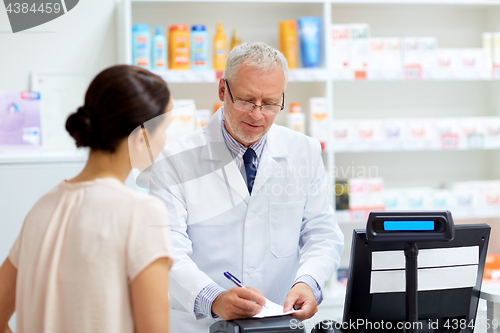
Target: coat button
{"points": [[251, 271]]}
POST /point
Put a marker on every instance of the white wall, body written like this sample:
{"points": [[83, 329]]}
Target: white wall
{"points": [[83, 40]]}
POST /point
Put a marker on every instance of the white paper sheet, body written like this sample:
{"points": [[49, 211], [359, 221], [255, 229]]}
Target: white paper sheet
{"points": [[468, 255], [272, 309], [60, 95], [428, 279]]}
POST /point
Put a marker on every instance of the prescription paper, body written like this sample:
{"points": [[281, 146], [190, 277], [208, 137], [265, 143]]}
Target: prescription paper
{"points": [[271, 309]]}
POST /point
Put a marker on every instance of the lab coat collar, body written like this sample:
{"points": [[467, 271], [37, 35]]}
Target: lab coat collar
{"points": [[275, 144], [214, 138], [275, 148]]}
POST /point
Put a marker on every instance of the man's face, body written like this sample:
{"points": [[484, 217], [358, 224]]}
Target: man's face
{"points": [[256, 86]]}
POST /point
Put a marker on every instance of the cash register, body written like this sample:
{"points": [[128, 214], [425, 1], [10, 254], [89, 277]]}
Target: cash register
{"points": [[281, 324]]}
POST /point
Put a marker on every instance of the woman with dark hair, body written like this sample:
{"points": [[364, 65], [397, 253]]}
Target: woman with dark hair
{"points": [[94, 255]]}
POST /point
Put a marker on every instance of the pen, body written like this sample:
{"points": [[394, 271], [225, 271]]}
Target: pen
{"points": [[234, 279]]}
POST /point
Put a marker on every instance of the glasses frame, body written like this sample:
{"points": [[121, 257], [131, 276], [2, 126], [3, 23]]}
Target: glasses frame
{"points": [[282, 106]]}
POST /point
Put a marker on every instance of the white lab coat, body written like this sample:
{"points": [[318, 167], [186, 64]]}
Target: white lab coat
{"points": [[285, 229]]}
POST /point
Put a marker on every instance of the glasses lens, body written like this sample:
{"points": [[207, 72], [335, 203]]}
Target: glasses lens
{"points": [[243, 106], [271, 109]]}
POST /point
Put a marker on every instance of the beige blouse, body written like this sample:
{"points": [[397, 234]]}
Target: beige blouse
{"points": [[80, 247]]}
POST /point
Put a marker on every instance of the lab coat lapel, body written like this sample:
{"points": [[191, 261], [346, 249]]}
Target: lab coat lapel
{"points": [[217, 152], [274, 149]]}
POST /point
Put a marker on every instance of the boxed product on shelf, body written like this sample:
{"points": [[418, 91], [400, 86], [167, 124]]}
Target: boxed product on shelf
{"points": [[368, 133], [375, 200], [296, 119], [443, 199], [377, 53], [359, 45], [420, 134], [394, 199], [419, 198], [341, 194], [318, 120], [492, 133], [492, 193], [428, 47], [496, 54], [473, 132], [473, 59], [385, 61], [448, 131], [469, 198], [339, 46], [412, 61], [365, 195], [492, 267], [183, 119], [472, 64], [393, 130], [488, 48], [203, 117], [416, 134], [343, 135], [447, 62], [393, 53]]}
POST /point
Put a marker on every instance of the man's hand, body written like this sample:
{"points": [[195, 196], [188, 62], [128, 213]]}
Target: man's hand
{"points": [[302, 297], [238, 303]]}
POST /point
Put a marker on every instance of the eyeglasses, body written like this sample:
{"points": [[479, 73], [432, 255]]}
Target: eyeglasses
{"points": [[246, 106]]}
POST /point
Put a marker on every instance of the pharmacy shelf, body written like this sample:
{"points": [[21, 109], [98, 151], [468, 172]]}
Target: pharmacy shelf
{"points": [[361, 2], [431, 75], [187, 76], [211, 76], [247, 1], [364, 147], [42, 156], [322, 75], [345, 217], [419, 2]]}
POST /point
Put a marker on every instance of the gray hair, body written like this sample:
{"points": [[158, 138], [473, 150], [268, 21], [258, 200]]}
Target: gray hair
{"points": [[255, 54]]}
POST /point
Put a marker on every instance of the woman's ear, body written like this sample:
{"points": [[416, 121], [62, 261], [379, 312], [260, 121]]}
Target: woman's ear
{"points": [[136, 141]]}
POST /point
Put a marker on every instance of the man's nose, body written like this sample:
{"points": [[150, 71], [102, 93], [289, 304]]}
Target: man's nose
{"points": [[256, 113]]}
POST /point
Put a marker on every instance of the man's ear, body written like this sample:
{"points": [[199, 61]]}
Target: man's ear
{"points": [[222, 89]]}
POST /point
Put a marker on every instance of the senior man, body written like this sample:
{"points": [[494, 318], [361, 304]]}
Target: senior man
{"points": [[249, 197]]}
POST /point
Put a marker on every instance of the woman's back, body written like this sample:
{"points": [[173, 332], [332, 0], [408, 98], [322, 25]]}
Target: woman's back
{"points": [[80, 247]]}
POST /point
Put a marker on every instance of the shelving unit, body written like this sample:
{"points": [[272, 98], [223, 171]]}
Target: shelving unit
{"points": [[383, 95]]}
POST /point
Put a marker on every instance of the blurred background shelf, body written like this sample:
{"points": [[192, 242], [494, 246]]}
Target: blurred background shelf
{"points": [[43, 156]]}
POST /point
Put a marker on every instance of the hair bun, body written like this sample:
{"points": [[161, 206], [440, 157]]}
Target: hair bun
{"points": [[79, 126]]}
